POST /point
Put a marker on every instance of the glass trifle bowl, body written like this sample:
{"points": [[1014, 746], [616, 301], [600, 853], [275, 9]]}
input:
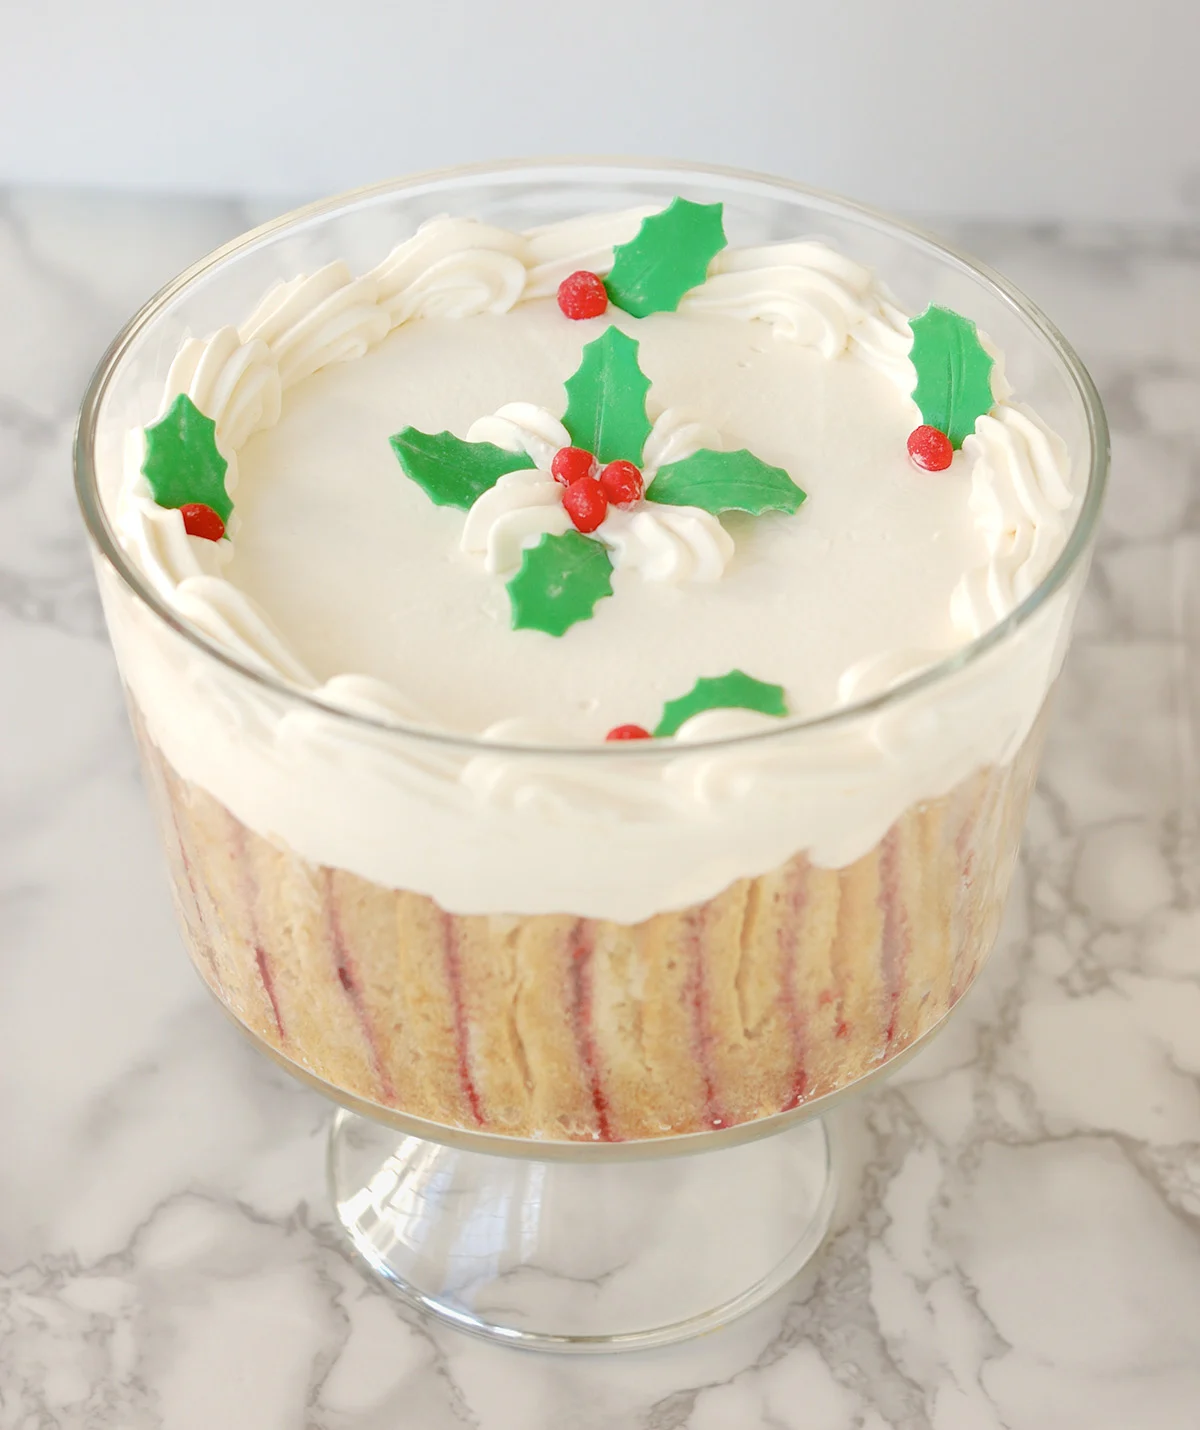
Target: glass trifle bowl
{"points": [[582, 1005]]}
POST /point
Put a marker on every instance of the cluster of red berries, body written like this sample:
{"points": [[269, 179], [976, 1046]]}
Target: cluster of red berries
{"points": [[930, 449], [590, 489]]}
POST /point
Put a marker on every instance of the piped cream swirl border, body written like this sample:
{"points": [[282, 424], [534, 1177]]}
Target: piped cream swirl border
{"points": [[806, 292], [456, 268]]}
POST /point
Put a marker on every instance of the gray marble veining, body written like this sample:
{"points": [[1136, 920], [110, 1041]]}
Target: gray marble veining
{"points": [[1018, 1240]]}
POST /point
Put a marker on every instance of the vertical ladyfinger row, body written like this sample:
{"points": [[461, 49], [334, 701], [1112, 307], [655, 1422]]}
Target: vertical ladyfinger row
{"points": [[774, 992]]}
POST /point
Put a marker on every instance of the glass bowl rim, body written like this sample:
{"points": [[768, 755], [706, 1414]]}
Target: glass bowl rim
{"points": [[1077, 544]]}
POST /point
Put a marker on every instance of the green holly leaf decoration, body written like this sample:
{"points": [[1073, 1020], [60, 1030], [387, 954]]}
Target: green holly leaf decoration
{"points": [[450, 471], [735, 691], [954, 373], [606, 400], [181, 462], [725, 481], [559, 583], [669, 254]]}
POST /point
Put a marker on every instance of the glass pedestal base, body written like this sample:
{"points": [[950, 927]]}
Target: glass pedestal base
{"points": [[587, 1255]]}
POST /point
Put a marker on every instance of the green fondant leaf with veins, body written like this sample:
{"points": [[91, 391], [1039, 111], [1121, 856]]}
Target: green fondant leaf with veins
{"points": [[725, 481], [735, 691], [181, 462], [954, 372], [450, 471], [669, 254], [606, 400], [559, 583]]}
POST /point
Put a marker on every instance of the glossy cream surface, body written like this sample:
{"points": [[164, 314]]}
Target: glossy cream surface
{"points": [[360, 571]]}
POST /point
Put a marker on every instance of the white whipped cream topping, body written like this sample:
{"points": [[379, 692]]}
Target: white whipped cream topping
{"points": [[555, 251], [311, 322], [518, 511], [457, 268], [451, 268], [522, 827], [815, 296], [1020, 496], [236, 382]]}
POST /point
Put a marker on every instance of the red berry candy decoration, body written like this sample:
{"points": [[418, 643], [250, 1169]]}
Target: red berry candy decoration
{"points": [[628, 732], [201, 520], [585, 504], [582, 295], [930, 449], [622, 483], [571, 464]]}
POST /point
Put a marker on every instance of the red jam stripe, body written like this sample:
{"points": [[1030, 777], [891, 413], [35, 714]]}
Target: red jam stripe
{"points": [[263, 964], [581, 945], [198, 929], [795, 898], [262, 961], [453, 963], [348, 978], [895, 939], [696, 992]]}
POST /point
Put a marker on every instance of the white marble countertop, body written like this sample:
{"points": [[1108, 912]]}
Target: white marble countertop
{"points": [[1018, 1241]]}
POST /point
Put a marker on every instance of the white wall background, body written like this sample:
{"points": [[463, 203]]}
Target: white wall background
{"points": [[1031, 108]]}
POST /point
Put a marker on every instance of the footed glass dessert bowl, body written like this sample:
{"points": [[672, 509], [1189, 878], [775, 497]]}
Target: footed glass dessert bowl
{"points": [[582, 1001]]}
